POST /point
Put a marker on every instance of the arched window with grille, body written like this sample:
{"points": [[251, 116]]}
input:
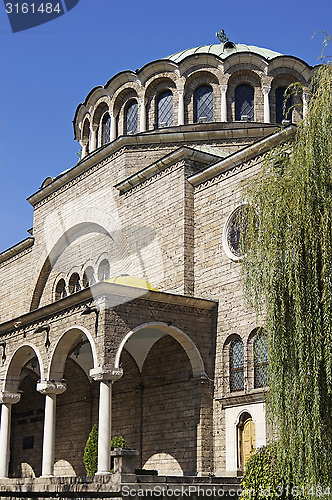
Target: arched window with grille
{"points": [[236, 366], [244, 103], [105, 129], [203, 104], [60, 290], [261, 376], [282, 107], [131, 118], [103, 270], [74, 283], [165, 109]]}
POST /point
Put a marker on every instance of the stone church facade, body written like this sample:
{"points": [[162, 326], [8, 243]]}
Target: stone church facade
{"points": [[124, 307]]}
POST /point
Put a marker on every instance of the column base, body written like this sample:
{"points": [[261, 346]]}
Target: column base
{"points": [[106, 473]]}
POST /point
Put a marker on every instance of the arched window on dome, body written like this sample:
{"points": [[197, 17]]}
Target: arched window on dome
{"points": [[103, 270], [131, 118], [236, 366], [261, 378], [105, 129], [165, 109], [244, 103], [203, 104], [74, 283], [88, 277], [282, 110], [60, 290]]}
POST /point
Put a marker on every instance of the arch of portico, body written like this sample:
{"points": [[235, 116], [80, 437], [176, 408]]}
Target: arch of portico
{"points": [[9, 395]]}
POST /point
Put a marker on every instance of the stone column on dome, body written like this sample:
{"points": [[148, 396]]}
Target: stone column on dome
{"points": [[7, 399], [83, 143], [223, 89], [181, 107], [266, 90], [142, 114], [93, 142], [305, 99], [50, 389], [105, 376]]}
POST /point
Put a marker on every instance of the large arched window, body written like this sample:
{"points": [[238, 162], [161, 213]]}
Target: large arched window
{"points": [[236, 366], [60, 290], [103, 270], [261, 378], [88, 277], [282, 108], [165, 109], [244, 103], [203, 104], [131, 118], [105, 129], [74, 283]]}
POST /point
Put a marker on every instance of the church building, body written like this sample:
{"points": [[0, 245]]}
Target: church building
{"points": [[124, 306]]}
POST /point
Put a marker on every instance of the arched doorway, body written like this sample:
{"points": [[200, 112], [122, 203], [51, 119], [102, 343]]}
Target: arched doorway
{"points": [[246, 438]]}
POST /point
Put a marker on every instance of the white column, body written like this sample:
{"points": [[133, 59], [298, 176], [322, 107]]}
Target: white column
{"points": [[49, 436], [50, 389], [6, 400], [105, 377], [223, 89], [113, 128], [305, 98], [93, 142], [266, 91], [142, 114], [104, 428], [83, 144], [181, 107]]}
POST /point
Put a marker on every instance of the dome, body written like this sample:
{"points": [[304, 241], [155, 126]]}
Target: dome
{"points": [[125, 279], [223, 51]]}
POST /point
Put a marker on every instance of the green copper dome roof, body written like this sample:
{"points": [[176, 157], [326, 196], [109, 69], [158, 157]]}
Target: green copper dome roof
{"points": [[223, 51]]}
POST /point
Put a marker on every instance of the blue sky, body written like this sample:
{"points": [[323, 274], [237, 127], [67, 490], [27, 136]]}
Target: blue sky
{"points": [[45, 72]]}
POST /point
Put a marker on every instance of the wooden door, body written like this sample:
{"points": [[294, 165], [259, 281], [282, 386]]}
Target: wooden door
{"points": [[248, 441]]}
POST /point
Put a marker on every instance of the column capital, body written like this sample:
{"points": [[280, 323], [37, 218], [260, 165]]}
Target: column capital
{"points": [[180, 91], [106, 373], [142, 100], [266, 89], [223, 88], [51, 387], [10, 398]]}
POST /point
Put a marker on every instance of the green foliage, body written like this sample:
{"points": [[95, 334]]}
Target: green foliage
{"points": [[287, 275], [91, 452], [262, 478], [118, 442], [79, 154]]}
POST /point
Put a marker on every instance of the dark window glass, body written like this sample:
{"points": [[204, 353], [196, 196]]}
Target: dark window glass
{"points": [[203, 104], [132, 118], [244, 102], [165, 109], [88, 277], [261, 378], [236, 232], [74, 283], [60, 291], [106, 126], [103, 270], [236, 363], [281, 113]]}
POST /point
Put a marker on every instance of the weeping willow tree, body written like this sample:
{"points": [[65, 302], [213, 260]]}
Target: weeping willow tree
{"points": [[287, 272]]}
